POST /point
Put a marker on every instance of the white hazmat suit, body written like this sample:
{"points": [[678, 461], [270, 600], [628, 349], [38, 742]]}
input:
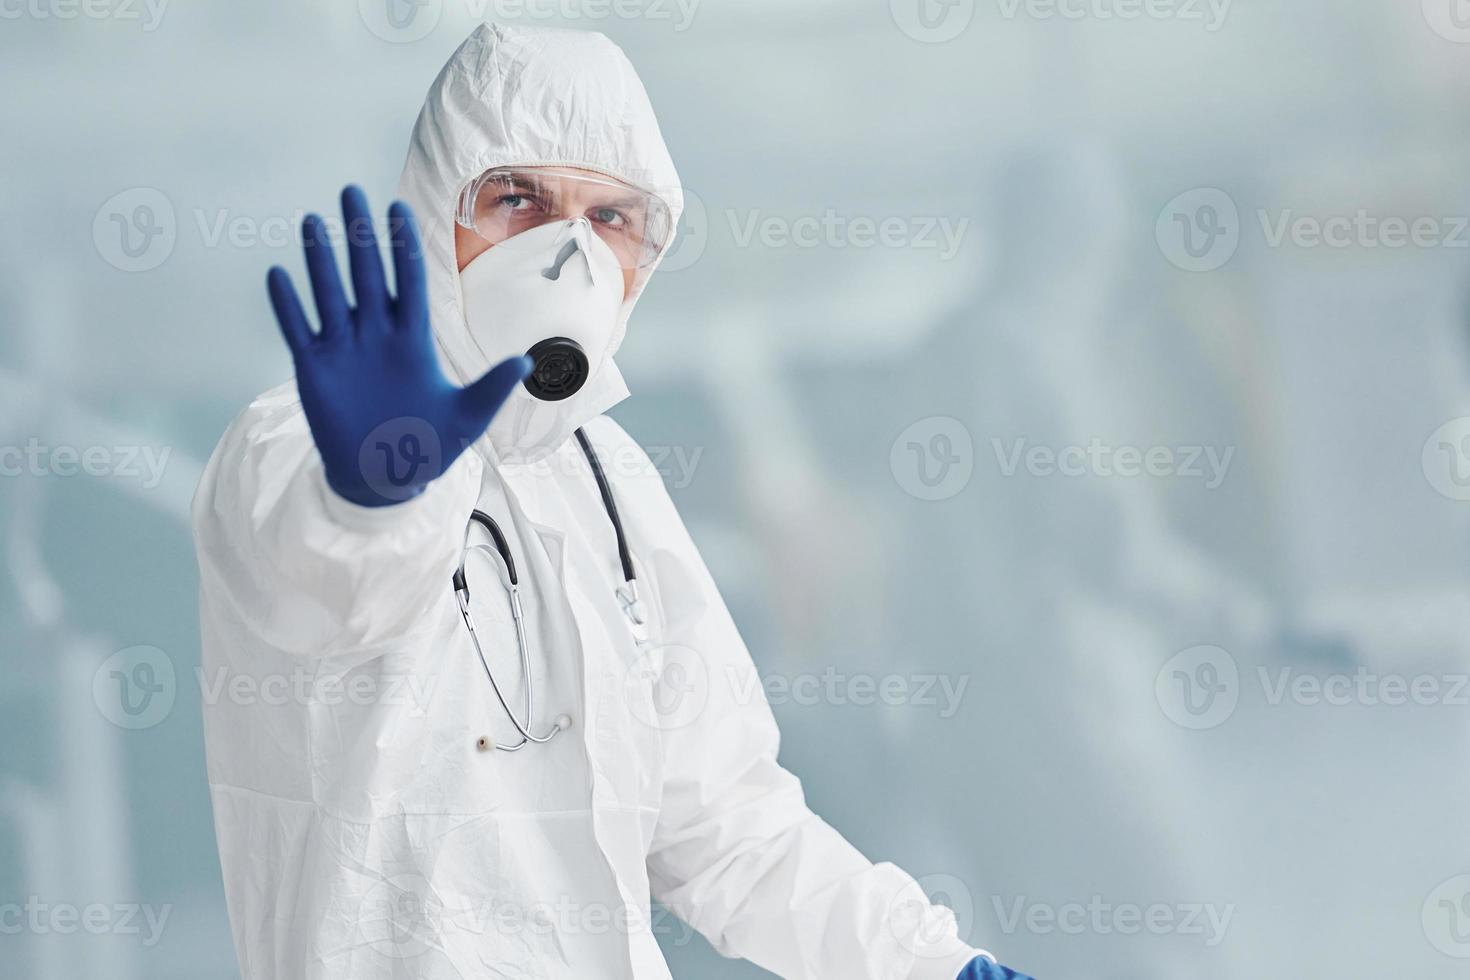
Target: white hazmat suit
{"points": [[364, 832]]}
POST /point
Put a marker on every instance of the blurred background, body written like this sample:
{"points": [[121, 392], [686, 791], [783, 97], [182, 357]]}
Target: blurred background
{"points": [[1072, 398]]}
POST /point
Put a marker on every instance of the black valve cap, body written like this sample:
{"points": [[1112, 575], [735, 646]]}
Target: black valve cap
{"points": [[559, 369]]}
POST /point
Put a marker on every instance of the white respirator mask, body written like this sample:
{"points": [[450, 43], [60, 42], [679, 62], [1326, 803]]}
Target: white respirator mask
{"points": [[553, 293]]}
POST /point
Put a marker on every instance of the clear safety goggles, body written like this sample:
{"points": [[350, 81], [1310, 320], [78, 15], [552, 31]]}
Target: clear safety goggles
{"points": [[502, 203]]}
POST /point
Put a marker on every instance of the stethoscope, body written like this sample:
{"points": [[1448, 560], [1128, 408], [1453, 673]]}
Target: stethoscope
{"points": [[627, 595]]}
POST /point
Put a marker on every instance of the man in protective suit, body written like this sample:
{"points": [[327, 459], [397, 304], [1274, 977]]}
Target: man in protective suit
{"points": [[395, 813]]}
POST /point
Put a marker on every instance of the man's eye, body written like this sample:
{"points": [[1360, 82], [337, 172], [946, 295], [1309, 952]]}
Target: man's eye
{"points": [[609, 216], [516, 202]]}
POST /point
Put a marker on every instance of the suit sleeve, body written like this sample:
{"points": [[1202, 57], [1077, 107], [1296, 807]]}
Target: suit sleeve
{"points": [[287, 562], [736, 852]]}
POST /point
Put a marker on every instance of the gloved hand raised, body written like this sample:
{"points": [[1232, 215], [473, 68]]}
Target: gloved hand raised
{"points": [[982, 969], [384, 417]]}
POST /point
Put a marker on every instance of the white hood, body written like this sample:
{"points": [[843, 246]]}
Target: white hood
{"points": [[523, 96]]}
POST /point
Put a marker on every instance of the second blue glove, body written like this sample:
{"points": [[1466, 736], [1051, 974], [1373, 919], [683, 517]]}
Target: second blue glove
{"points": [[982, 969]]}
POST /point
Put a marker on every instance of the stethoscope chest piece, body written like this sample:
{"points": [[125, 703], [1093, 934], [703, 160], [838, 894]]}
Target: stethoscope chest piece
{"points": [[487, 744]]}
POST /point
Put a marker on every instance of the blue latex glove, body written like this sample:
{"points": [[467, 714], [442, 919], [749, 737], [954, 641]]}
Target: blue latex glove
{"points": [[982, 969], [385, 418]]}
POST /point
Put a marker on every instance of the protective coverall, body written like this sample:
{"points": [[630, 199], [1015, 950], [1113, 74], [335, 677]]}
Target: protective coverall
{"points": [[364, 830]]}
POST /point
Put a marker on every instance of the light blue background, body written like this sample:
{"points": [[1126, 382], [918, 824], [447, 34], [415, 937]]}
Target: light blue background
{"points": [[791, 373]]}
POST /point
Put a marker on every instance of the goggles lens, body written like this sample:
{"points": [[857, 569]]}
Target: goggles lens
{"points": [[500, 204]]}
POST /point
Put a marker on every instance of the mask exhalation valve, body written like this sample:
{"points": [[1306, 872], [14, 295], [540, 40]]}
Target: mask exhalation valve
{"points": [[559, 369]]}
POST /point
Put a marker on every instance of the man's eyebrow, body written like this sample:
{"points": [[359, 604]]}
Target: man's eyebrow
{"points": [[625, 199], [518, 182]]}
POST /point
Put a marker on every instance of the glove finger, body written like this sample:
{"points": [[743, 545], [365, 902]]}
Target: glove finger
{"points": [[369, 285], [287, 305], [326, 282], [408, 266], [481, 400]]}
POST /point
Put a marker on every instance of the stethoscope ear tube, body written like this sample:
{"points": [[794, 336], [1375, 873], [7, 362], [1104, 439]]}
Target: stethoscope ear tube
{"points": [[483, 519], [608, 504]]}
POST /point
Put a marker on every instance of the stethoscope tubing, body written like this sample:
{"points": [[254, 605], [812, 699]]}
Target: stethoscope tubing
{"points": [[502, 548]]}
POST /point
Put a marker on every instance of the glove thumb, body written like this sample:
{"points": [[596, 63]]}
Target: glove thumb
{"points": [[481, 400]]}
